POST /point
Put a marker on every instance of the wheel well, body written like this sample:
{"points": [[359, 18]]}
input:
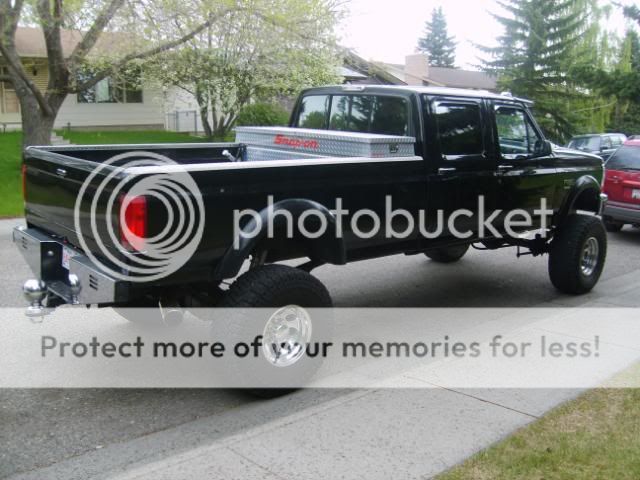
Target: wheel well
{"points": [[588, 200]]}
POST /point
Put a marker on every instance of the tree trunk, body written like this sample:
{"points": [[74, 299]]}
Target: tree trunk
{"points": [[203, 106], [36, 129]]}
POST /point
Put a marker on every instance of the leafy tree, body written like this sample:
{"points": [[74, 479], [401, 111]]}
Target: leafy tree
{"points": [[252, 56], [436, 41], [542, 39], [90, 19], [263, 114]]}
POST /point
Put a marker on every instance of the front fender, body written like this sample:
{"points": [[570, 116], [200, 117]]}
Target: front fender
{"points": [[328, 248], [584, 195]]}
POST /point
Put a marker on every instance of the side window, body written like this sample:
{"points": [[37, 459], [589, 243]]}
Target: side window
{"points": [[312, 111], [616, 141], [606, 143], [459, 128], [516, 134]]}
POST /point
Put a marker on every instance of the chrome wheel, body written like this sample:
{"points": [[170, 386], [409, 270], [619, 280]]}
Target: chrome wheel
{"points": [[286, 335], [590, 256]]}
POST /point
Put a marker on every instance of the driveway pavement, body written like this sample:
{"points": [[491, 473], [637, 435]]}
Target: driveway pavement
{"points": [[373, 433]]}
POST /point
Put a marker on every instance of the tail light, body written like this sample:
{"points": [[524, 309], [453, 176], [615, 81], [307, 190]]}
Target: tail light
{"points": [[24, 181], [133, 222]]}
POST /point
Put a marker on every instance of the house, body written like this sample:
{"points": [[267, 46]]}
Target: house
{"points": [[110, 104], [416, 71]]}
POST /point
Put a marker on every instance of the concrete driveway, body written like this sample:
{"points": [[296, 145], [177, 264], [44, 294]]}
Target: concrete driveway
{"points": [[385, 433]]}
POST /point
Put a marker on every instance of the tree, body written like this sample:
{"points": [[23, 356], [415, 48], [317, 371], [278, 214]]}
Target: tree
{"points": [[436, 41], [542, 39], [90, 19], [250, 56]]}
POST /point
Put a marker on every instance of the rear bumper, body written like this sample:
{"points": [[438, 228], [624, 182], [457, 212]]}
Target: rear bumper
{"points": [[43, 253], [622, 212]]}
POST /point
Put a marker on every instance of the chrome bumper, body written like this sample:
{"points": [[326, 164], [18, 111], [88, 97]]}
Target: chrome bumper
{"points": [[43, 254]]}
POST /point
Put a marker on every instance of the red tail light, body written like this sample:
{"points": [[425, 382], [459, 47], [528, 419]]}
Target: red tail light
{"points": [[24, 182], [133, 222]]}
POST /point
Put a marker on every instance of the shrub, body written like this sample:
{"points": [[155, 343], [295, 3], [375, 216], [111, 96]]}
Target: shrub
{"points": [[263, 114]]}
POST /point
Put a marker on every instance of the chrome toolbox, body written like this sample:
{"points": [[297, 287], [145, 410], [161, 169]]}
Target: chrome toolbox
{"points": [[326, 143]]}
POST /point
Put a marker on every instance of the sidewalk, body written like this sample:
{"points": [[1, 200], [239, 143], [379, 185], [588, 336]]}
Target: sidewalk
{"points": [[373, 434]]}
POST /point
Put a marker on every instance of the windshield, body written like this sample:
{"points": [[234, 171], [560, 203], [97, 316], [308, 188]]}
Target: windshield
{"points": [[585, 143], [625, 158]]}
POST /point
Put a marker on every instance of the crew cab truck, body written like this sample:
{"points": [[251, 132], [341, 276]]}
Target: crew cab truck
{"points": [[462, 145]]}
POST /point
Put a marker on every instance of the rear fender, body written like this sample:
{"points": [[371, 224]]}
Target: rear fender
{"points": [[327, 248]]}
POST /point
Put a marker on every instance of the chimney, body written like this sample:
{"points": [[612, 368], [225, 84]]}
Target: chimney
{"points": [[416, 67]]}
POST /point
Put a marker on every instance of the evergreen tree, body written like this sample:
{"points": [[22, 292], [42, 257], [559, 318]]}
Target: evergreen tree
{"points": [[436, 41], [542, 39]]}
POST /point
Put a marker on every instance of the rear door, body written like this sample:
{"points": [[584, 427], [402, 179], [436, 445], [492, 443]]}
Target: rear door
{"points": [[460, 165]]}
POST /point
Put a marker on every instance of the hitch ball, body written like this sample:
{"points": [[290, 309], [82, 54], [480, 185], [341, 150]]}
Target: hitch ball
{"points": [[34, 291]]}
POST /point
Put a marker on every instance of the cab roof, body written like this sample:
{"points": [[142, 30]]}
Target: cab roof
{"points": [[444, 91]]}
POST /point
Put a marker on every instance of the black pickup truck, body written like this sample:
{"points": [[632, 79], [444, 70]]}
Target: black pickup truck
{"points": [[432, 151]]}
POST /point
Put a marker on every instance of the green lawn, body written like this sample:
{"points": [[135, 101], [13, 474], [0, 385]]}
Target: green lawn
{"points": [[11, 184], [11, 145], [596, 436]]}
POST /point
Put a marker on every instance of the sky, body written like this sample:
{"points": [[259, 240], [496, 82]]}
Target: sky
{"points": [[387, 31]]}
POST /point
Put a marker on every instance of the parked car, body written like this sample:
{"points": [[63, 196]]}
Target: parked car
{"points": [[602, 145], [432, 150], [622, 185]]}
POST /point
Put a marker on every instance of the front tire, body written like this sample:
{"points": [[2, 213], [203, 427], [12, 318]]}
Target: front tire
{"points": [[285, 293], [578, 254], [447, 254]]}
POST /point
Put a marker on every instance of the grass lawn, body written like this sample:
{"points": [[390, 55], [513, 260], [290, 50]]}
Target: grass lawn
{"points": [[10, 158], [596, 436], [11, 183]]}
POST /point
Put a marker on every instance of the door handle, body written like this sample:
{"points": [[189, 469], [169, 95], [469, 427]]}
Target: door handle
{"points": [[446, 170], [504, 168], [61, 171]]}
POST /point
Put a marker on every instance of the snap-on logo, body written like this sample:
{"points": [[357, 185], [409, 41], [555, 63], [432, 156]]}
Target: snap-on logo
{"points": [[296, 142]]}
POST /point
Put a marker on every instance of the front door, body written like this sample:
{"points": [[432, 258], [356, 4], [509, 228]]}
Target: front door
{"points": [[527, 178]]}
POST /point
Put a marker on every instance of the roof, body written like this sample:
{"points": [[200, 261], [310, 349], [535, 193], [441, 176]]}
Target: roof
{"points": [[440, 91], [587, 135], [633, 142], [30, 42], [454, 77], [449, 77]]}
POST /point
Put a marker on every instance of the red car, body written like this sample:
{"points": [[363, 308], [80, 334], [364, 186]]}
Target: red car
{"points": [[622, 185]]}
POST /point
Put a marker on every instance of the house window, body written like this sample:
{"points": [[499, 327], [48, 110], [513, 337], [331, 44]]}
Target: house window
{"points": [[112, 90], [9, 100]]}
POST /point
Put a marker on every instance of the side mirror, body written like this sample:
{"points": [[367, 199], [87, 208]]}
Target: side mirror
{"points": [[543, 148]]}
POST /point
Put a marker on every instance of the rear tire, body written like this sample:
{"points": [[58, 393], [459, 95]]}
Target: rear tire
{"points": [[447, 254], [578, 254], [276, 288]]}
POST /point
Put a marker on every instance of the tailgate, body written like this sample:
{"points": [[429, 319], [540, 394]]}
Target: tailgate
{"points": [[52, 184]]}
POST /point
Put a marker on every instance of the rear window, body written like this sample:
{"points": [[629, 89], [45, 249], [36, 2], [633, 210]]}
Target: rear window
{"points": [[385, 115], [625, 158], [312, 113], [585, 143]]}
